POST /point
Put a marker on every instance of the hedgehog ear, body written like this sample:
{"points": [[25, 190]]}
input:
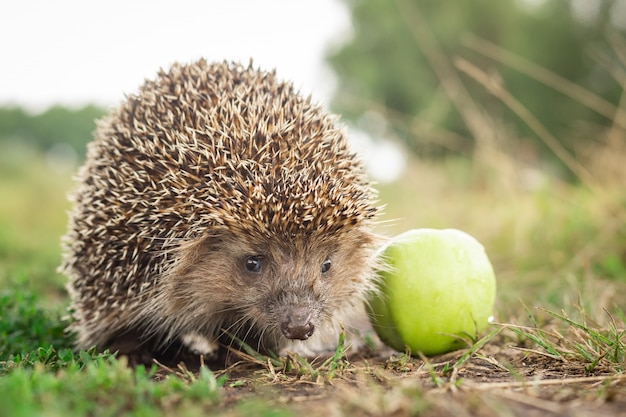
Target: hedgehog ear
{"points": [[211, 240], [190, 251]]}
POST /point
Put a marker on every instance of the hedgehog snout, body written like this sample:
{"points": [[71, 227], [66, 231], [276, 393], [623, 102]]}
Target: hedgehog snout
{"points": [[289, 311], [297, 324]]}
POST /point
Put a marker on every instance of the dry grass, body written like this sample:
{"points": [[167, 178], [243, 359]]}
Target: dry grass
{"points": [[510, 374]]}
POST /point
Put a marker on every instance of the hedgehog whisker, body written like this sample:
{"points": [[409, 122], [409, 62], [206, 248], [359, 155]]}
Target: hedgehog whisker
{"points": [[235, 329]]}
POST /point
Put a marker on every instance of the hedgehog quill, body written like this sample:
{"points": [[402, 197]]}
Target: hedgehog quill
{"points": [[216, 201]]}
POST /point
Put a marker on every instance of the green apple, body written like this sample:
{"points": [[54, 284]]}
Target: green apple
{"points": [[436, 284]]}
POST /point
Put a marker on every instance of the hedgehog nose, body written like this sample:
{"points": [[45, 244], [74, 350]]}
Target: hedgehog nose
{"points": [[298, 326]]}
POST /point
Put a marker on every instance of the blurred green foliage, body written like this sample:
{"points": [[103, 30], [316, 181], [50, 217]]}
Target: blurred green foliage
{"points": [[384, 66], [33, 205], [56, 125]]}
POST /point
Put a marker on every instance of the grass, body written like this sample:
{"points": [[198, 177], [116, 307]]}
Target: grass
{"points": [[579, 340], [60, 383], [40, 374], [25, 325]]}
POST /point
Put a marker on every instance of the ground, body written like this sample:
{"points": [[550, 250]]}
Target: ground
{"points": [[501, 377]]}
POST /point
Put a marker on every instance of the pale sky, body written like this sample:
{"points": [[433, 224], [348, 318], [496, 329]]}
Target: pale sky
{"points": [[76, 51]]}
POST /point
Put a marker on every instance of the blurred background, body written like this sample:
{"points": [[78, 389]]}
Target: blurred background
{"points": [[504, 118]]}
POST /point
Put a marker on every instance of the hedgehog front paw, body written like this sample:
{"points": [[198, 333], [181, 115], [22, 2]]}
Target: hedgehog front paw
{"points": [[200, 345], [136, 353]]}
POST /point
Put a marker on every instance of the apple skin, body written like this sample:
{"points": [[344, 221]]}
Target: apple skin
{"points": [[436, 284]]}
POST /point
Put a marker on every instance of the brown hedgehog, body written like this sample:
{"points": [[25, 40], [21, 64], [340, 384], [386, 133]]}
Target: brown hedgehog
{"points": [[216, 202]]}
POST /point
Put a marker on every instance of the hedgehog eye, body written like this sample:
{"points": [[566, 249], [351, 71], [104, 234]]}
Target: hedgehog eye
{"points": [[326, 266], [253, 263]]}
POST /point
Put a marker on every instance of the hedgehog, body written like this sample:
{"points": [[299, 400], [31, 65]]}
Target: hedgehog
{"points": [[217, 204]]}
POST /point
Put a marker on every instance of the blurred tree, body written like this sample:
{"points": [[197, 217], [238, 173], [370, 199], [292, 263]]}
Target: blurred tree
{"points": [[387, 66], [56, 125]]}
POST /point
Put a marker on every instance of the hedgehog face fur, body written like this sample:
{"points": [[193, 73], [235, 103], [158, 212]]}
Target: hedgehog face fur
{"points": [[217, 198]]}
